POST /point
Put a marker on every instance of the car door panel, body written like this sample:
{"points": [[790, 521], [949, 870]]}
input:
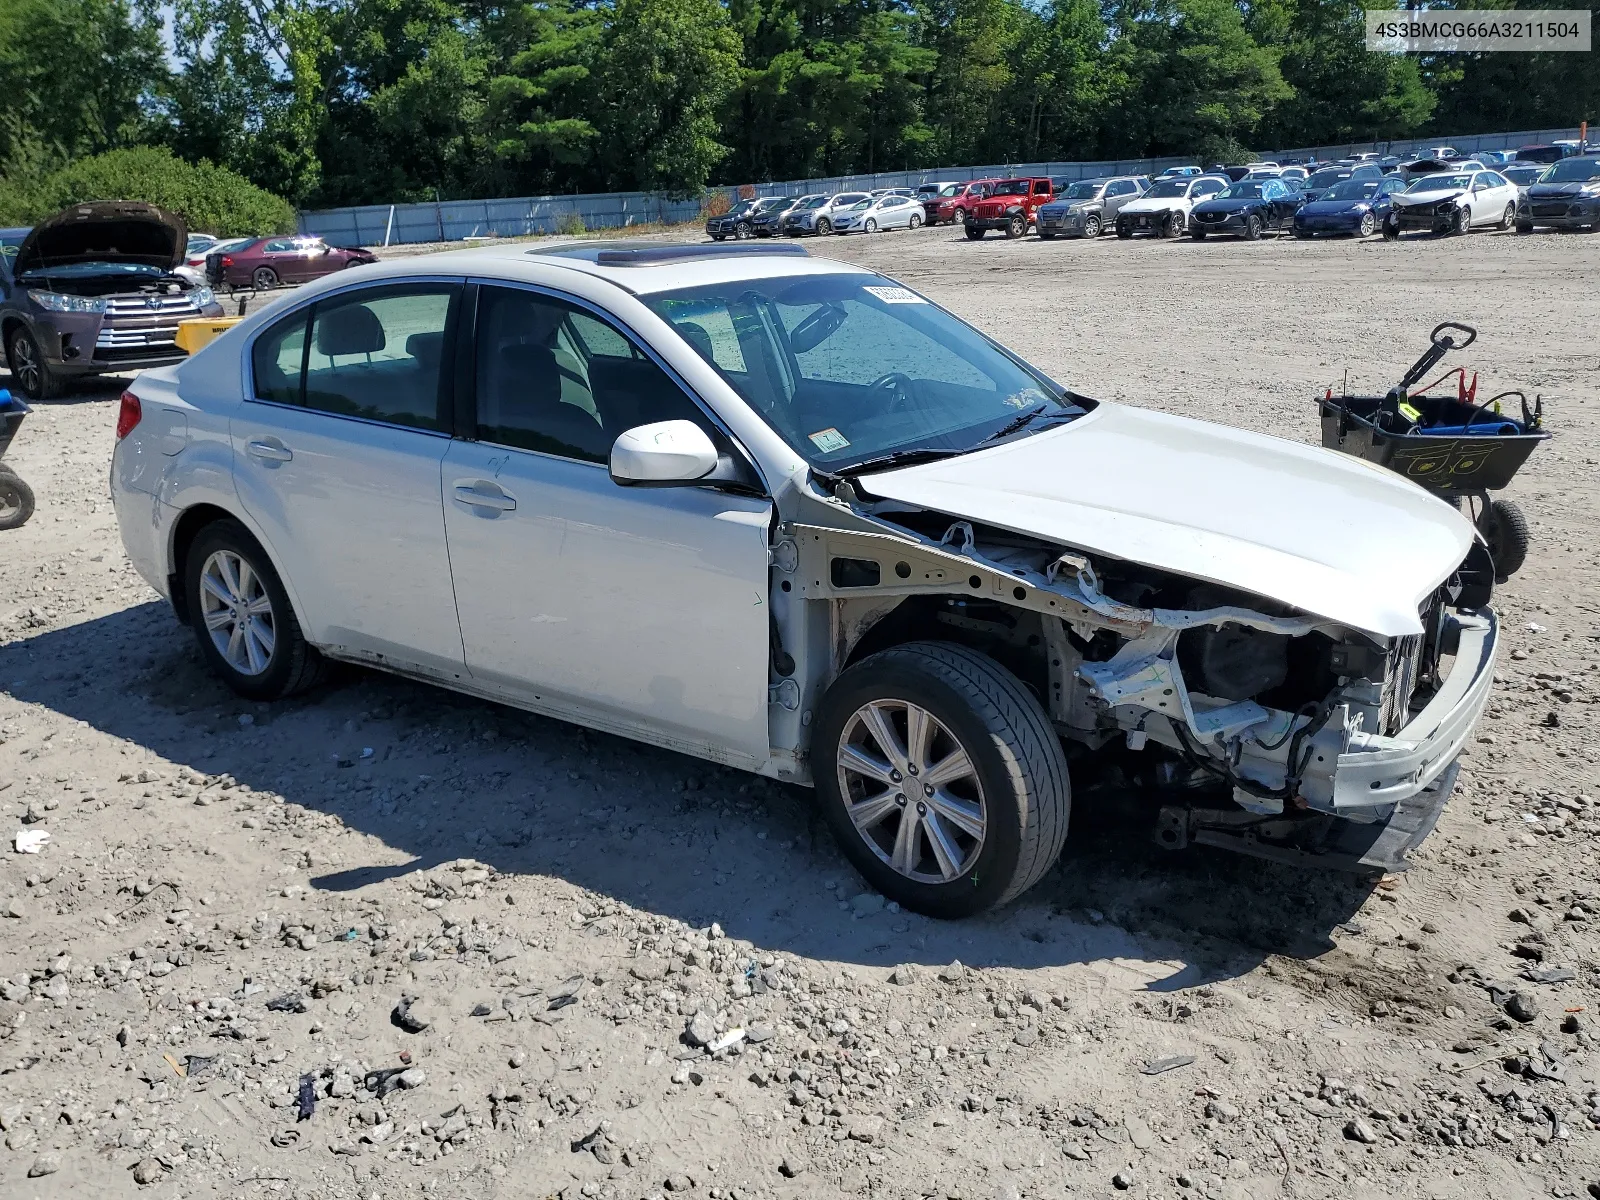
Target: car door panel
{"points": [[639, 609], [351, 506]]}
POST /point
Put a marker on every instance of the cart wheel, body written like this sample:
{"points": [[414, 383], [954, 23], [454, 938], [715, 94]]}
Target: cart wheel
{"points": [[1506, 530], [16, 500]]}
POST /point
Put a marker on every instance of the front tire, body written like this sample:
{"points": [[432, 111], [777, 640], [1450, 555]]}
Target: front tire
{"points": [[742, 231], [1124, 230], [32, 374], [974, 232], [992, 800], [1507, 217], [824, 225], [1173, 226], [869, 226], [915, 222], [16, 500], [242, 619], [1368, 224], [1091, 227], [1017, 226], [959, 217], [1252, 228], [1524, 226], [1461, 223], [1391, 231]]}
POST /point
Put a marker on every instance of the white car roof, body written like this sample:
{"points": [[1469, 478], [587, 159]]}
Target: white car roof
{"points": [[643, 268]]}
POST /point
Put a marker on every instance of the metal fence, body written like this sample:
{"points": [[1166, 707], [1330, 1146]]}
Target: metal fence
{"points": [[459, 220]]}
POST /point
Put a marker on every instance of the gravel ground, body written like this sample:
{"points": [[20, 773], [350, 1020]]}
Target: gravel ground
{"points": [[384, 941]]}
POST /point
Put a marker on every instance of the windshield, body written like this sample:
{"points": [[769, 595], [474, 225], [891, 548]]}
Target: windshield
{"points": [[1242, 191], [851, 367], [1351, 189], [1085, 191], [1441, 183], [1010, 187], [1574, 170], [1167, 187], [80, 270]]}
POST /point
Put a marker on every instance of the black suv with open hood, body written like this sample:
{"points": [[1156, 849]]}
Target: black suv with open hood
{"points": [[92, 290]]}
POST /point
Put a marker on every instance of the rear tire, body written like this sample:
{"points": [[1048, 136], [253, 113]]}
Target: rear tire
{"points": [[219, 594], [1011, 800], [16, 500], [1506, 530], [264, 279]]}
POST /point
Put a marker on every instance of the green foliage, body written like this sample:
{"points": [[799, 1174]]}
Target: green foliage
{"points": [[332, 102], [211, 199], [571, 225]]}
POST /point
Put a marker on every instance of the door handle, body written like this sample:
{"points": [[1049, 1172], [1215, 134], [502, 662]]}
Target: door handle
{"points": [[269, 450], [481, 493]]}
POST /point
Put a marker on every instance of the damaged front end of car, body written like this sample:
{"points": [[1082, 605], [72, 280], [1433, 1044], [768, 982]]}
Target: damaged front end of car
{"points": [[1266, 729]]}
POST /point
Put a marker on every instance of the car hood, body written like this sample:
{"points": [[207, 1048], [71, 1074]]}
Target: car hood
{"points": [[110, 231], [1311, 528], [1333, 208], [1556, 191], [1146, 204], [1231, 204], [1410, 199]]}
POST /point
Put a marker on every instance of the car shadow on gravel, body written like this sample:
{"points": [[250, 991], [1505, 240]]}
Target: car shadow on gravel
{"points": [[435, 776]]}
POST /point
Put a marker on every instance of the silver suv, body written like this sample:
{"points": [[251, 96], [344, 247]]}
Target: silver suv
{"points": [[1089, 207]]}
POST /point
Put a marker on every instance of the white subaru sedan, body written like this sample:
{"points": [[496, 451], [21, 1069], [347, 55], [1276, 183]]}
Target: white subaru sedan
{"points": [[788, 515]]}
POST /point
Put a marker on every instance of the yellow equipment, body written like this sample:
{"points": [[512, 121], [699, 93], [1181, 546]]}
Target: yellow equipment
{"points": [[197, 331]]}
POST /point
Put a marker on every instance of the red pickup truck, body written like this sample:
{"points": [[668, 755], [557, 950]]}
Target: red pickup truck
{"points": [[1010, 206]]}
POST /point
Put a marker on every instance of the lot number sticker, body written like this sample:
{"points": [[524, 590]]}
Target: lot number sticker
{"points": [[829, 440], [895, 295]]}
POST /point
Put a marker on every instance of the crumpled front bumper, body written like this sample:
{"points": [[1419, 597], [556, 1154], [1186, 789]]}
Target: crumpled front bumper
{"points": [[1388, 792]]}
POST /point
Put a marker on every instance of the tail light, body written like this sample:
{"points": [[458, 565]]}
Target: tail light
{"points": [[226, 260], [128, 415]]}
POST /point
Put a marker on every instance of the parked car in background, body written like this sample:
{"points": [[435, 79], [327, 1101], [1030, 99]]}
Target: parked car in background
{"points": [[194, 269], [263, 263], [1232, 173], [769, 221], [1248, 208], [1171, 172], [1442, 152], [1089, 207], [92, 290], [1164, 209], [1566, 196], [1453, 202], [893, 211], [1010, 207], [1355, 206], [953, 209], [1421, 168], [932, 195], [1322, 179], [909, 193], [740, 537], [739, 221], [1523, 175], [1552, 153], [1295, 176], [1492, 158], [818, 218]]}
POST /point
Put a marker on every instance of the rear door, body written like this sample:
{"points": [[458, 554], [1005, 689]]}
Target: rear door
{"points": [[337, 452]]}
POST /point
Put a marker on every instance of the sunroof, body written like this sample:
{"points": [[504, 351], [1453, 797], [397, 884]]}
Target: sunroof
{"points": [[648, 254]]}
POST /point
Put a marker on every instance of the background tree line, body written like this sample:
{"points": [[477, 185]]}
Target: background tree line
{"points": [[332, 102]]}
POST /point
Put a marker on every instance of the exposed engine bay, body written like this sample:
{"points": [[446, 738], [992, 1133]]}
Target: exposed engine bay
{"points": [[1268, 730]]}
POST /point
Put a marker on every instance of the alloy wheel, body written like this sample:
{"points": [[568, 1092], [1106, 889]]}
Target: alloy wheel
{"points": [[869, 226], [912, 791], [1368, 224], [25, 365], [1091, 227], [237, 612]]}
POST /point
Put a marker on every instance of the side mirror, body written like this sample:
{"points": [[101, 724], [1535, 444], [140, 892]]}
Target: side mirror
{"points": [[662, 454]]}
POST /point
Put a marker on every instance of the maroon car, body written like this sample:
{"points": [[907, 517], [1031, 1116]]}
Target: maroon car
{"points": [[270, 261]]}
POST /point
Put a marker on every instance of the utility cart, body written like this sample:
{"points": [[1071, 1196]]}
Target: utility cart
{"points": [[1458, 448], [16, 497]]}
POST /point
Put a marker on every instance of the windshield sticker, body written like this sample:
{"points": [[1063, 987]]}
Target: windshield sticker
{"points": [[829, 440], [895, 295], [1025, 398]]}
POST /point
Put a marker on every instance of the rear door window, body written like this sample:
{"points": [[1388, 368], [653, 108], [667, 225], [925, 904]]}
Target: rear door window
{"points": [[381, 354]]}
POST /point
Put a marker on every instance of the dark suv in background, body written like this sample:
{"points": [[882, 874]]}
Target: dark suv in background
{"points": [[93, 290]]}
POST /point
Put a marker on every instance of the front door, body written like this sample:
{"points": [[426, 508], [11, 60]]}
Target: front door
{"points": [[638, 610], [336, 460]]}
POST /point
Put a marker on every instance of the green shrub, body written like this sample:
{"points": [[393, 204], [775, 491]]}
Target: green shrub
{"points": [[571, 224], [210, 199]]}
